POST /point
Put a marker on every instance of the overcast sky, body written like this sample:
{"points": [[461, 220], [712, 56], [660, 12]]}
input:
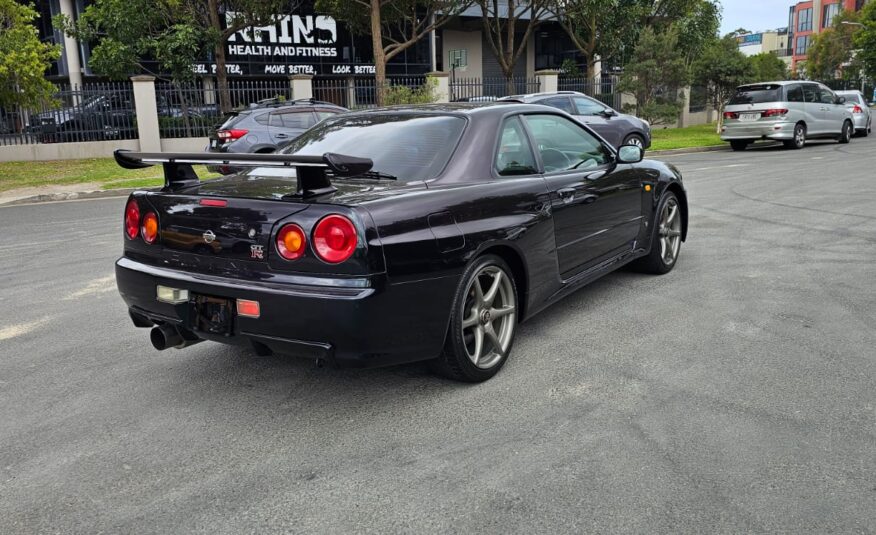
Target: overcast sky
{"points": [[755, 15]]}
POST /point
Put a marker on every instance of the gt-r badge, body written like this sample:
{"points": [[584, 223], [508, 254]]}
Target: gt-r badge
{"points": [[209, 236], [257, 251]]}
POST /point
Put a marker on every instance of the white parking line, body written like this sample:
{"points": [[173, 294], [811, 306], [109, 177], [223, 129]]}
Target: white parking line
{"points": [[21, 328], [97, 286]]}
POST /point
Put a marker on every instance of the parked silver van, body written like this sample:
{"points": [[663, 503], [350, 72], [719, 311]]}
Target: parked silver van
{"points": [[790, 112]]}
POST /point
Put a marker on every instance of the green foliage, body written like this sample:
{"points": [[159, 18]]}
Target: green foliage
{"points": [[654, 76], [832, 51], [768, 67], [23, 58], [401, 94], [570, 68], [722, 68], [865, 39], [698, 28]]}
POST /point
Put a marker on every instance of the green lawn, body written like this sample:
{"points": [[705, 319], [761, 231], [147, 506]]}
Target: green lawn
{"points": [[103, 171], [682, 138]]}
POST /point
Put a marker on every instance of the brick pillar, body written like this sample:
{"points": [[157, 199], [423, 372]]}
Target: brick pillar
{"points": [[548, 80], [441, 92], [147, 113]]}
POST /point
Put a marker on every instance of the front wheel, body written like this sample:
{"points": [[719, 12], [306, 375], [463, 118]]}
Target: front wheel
{"points": [[846, 134], [665, 238], [483, 322], [635, 140]]}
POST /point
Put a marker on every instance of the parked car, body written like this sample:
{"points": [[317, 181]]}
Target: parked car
{"points": [[790, 111], [861, 113], [267, 124], [617, 128], [395, 235], [99, 117]]}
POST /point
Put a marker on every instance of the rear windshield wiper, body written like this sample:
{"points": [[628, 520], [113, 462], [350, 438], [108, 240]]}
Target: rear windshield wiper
{"points": [[374, 175]]}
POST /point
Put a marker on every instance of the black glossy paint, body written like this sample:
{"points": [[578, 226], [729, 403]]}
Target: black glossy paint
{"points": [[391, 301]]}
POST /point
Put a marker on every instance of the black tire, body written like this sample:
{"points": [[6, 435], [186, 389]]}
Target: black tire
{"points": [[455, 362], [846, 134], [634, 139], [799, 140], [655, 262], [738, 144]]}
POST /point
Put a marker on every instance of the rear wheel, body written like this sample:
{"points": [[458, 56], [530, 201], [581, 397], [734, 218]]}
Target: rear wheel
{"points": [[738, 144], [483, 322], [665, 239], [799, 140], [846, 134]]}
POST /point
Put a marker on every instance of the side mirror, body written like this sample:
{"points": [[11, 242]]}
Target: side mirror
{"points": [[840, 100], [608, 112], [630, 154]]}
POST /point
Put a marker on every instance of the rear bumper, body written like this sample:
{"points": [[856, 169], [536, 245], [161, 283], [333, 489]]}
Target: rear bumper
{"points": [[861, 122], [755, 131], [361, 322]]}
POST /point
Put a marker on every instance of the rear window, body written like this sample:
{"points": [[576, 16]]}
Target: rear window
{"points": [[232, 120], [757, 94], [408, 146], [852, 97]]}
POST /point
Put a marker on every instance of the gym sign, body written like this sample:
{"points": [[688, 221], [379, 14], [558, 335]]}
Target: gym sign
{"points": [[293, 36]]}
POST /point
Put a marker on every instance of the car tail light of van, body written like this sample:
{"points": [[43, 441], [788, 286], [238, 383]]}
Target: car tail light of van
{"points": [[857, 110], [231, 135], [335, 239], [731, 115], [132, 219], [777, 112]]}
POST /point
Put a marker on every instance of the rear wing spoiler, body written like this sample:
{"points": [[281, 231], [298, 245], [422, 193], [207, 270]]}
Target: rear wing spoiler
{"points": [[310, 170]]}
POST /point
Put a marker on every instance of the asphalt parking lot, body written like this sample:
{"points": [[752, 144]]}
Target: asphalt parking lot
{"points": [[737, 393]]}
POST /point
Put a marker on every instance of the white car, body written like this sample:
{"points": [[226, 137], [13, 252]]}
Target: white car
{"points": [[861, 113]]}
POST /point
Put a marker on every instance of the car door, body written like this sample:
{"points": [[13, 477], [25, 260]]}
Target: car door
{"points": [[593, 114], [596, 204], [833, 114], [288, 124], [812, 107]]}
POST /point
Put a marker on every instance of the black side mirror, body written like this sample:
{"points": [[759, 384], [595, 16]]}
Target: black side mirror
{"points": [[630, 154], [840, 100]]}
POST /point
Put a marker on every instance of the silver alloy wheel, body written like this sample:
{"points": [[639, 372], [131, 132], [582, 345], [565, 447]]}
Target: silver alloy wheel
{"points": [[669, 232], [635, 141], [490, 317], [800, 136], [847, 131]]}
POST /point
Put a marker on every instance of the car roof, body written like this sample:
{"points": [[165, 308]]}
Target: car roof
{"points": [[453, 108], [530, 96], [849, 92]]}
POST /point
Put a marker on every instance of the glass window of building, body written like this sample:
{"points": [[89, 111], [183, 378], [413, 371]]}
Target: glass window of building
{"points": [[830, 11], [802, 45], [804, 20]]}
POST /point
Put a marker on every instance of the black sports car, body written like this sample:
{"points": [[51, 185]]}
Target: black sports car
{"points": [[394, 235]]}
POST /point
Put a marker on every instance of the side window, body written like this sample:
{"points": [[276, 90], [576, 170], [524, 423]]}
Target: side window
{"points": [[810, 92], [825, 95], [560, 103], [324, 114], [795, 93], [298, 119], [588, 107], [514, 156], [563, 145]]}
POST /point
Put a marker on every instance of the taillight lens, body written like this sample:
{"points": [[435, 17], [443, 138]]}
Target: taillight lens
{"points": [[291, 242], [232, 134], [149, 229], [335, 239], [774, 113], [731, 115], [857, 109], [132, 219]]}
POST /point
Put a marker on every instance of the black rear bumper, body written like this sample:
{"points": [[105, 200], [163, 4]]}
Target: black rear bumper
{"points": [[353, 322]]}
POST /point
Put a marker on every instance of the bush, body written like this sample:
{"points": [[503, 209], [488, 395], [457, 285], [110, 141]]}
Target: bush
{"points": [[402, 94]]}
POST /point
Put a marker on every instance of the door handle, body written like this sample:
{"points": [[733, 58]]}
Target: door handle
{"points": [[567, 194], [281, 135]]}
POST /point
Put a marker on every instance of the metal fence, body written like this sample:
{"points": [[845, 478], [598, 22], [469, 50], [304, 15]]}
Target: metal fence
{"points": [[487, 89], [93, 112], [602, 88], [865, 87], [358, 93]]}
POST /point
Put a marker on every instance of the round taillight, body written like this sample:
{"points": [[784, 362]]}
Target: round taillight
{"points": [[291, 242], [150, 227], [132, 219], [334, 239]]}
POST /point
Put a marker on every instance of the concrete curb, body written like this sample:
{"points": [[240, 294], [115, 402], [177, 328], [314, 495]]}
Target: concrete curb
{"points": [[101, 194]]}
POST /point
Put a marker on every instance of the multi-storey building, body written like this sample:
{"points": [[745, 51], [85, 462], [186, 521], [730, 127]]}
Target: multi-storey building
{"points": [[812, 17]]}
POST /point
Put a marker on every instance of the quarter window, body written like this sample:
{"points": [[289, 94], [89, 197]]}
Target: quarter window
{"points": [[514, 156], [563, 145]]}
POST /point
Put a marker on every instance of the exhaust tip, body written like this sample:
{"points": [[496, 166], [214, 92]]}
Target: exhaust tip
{"points": [[164, 336]]}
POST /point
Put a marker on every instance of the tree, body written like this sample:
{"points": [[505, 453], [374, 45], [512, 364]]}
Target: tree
{"points": [[500, 20], [722, 68], [767, 67], [865, 39], [654, 76], [832, 51], [23, 58], [698, 28], [394, 25], [176, 34]]}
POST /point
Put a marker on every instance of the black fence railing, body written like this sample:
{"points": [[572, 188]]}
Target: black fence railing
{"points": [[487, 89], [602, 88], [94, 112], [358, 93]]}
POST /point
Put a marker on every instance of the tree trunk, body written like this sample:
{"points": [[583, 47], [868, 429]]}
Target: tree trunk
{"points": [[379, 53], [219, 51]]}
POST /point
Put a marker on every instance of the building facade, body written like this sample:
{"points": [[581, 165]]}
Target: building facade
{"points": [[809, 18], [775, 41]]}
